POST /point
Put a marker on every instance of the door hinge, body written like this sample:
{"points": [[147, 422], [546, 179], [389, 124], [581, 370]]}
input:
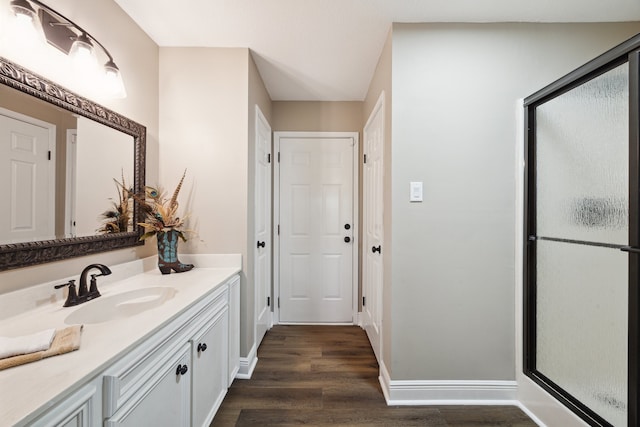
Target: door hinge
{"points": [[363, 301], [278, 157], [365, 158], [278, 302], [49, 155], [278, 229], [268, 301], [269, 158]]}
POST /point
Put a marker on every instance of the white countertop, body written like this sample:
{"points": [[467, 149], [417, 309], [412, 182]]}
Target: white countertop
{"points": [[27, 390]]}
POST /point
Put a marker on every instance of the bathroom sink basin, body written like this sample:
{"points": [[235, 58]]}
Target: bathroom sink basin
{"points": [[122, 305]]}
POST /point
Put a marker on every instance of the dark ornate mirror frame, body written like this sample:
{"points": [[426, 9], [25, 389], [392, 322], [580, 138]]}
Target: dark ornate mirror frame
{"points": [[18, 255]]}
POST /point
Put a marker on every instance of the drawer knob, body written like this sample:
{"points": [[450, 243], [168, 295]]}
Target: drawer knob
{"points": [[202, 347], [181, 369]]}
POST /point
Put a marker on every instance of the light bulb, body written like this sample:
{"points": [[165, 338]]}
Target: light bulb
{"points": [[82, 55], [24, 26], [113, 81], [22, 9]]}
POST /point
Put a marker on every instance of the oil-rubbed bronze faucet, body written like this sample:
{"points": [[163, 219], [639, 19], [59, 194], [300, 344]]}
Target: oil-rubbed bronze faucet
{"points": [[93, 288], [84, 295]]}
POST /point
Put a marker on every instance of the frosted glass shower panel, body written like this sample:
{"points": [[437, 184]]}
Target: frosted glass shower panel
{"points": [[582, 159], [581, 329]]}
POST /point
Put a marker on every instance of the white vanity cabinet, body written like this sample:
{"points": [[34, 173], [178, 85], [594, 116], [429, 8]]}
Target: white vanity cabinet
{"points": [[177, 377], [151, 361]]}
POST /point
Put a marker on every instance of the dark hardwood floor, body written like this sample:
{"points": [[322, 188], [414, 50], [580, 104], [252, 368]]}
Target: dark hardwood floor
{"points": [[328, 376]]}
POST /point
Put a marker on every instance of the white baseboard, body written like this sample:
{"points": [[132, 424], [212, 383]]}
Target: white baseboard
{"points": [[530, 414], [248, 364], [448, 392]]}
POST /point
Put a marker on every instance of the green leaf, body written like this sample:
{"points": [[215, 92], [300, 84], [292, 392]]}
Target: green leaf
{"points": [[147, 235]]}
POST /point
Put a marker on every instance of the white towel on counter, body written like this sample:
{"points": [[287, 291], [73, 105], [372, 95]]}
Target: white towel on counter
{"points": [[13, 346]]}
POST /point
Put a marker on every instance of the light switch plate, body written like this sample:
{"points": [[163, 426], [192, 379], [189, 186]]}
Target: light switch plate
{"points": [[415, 191]]}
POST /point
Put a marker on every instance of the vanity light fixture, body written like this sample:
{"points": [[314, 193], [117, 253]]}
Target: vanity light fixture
{"points": [[72, 40]]}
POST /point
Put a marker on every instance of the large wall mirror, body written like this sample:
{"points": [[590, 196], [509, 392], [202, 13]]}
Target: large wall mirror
{"points": [[64, 162]]}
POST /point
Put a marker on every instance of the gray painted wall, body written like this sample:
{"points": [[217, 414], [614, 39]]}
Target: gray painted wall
{"points": [[455, 88]]}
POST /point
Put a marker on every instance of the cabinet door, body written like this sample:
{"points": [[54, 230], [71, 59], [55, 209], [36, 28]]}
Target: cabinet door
{"points": [[163, 400], [234, 329], [81, 409], [210, 373]]}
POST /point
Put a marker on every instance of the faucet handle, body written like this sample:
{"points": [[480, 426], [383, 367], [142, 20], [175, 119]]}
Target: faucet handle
{"points": [[72, 297], [93, 287], [70, 284]]}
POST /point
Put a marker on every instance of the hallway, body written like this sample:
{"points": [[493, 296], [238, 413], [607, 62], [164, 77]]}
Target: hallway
{"points": [[327, 376]]}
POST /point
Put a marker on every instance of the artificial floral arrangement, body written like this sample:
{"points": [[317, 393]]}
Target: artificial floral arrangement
{"points": [[162, 221], [161, 214], [118, 219]]}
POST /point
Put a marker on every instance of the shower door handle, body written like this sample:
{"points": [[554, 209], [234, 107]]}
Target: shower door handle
{"points": [[630, 249]]}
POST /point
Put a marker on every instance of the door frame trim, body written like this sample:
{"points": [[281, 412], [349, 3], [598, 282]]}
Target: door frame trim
{"points": [[378, 109], [70, 183], [276, 215], [259, 117]]}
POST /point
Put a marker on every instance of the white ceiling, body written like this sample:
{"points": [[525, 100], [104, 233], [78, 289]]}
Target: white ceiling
{"points": [[327, 49]]}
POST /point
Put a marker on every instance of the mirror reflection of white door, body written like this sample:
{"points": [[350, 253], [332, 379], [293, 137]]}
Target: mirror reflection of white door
{"points": [[262, 259], [372, 217], [27, 176], [70, 193], [316, 229], [96, 190]]}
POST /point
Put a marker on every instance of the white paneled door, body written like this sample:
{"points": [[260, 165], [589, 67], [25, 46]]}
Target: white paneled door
{"points": [[27, 177], [316, 229], [262, 258], [372, 217]]}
